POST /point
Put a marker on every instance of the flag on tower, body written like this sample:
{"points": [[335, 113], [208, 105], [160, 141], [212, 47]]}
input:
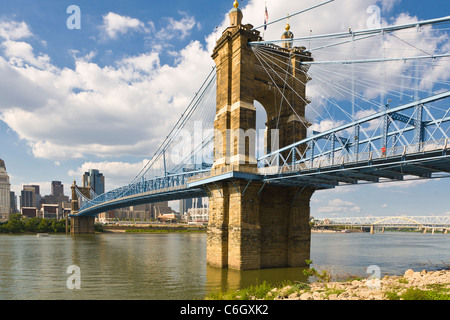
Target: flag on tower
{"points": [[266, 18]]}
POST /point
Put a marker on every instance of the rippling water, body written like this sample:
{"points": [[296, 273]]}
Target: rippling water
{"points": [[173, 266]]}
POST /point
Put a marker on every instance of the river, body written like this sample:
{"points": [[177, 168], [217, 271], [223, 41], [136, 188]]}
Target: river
{"points": [[173, 266]]}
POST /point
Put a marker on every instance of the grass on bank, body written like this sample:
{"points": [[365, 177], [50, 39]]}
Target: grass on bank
{"points": [[432, 292], [264, 291]]}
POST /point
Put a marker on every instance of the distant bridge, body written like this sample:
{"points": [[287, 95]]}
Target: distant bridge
{"points": [[421, 222]]}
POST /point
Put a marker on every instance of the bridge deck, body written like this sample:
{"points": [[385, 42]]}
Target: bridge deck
{"points": [[320, 174]]}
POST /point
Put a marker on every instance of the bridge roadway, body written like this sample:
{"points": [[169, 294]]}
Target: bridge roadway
{"points": [[372, 167]]}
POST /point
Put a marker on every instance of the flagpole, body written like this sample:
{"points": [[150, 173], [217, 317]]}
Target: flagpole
{"points": [[266, 18]]}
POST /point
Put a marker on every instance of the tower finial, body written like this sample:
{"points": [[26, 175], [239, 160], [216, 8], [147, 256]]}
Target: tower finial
{"points": [[288, 27], [236, 15]]}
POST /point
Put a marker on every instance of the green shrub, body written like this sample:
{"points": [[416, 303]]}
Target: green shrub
{"points": [[417, 294]]}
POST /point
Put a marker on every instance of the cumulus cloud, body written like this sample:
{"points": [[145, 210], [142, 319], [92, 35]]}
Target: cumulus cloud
{"points": [[107, 111], [14, 30], [21, 54], [336, 206], [409, 182], [115, 25], [116, 173], [177, 28]]}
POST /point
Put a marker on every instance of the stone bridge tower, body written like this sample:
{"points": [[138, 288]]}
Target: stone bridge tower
{"points": [[80, 225], [251, 225]]}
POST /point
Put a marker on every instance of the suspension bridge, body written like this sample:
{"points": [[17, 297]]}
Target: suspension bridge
{"points": [[355, 107]]}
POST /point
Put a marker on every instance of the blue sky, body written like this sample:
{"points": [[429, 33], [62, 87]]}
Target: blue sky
{"points": [[103, 96]]}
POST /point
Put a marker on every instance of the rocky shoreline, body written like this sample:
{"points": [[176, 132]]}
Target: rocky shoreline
{"points": [[424, 285]]}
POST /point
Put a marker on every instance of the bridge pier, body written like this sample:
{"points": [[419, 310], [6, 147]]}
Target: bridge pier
{"points": [[253, 229], [82, 225]]}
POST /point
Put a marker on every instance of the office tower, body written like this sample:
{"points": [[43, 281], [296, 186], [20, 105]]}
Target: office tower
{"points": [[5, 188], [94, 179], [30, 196], [186, 204], [57, 196], [13, 202], [57, 189], [27, 198]]}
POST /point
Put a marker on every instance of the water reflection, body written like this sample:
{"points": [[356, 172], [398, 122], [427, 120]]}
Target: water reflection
{"points": [[173, 266], [226, 279]]}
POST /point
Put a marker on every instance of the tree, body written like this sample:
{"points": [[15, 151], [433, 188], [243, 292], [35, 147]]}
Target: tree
{"points": [[43, 226], [31, 224], [15, 224]]}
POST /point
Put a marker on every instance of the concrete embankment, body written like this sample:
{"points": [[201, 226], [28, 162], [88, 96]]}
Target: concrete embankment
{"points": [[431, 285]]}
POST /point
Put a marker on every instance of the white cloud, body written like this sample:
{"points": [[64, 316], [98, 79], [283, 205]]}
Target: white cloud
{"points": [[116, 173], [339, 206], [325, 125], [14, 30], [123, 109], [115, 24], [21, 54], [409, 182], [178, 28]]}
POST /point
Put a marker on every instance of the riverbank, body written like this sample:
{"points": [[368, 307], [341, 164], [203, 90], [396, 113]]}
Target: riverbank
{"points": [[159, 228], [424, 285]]}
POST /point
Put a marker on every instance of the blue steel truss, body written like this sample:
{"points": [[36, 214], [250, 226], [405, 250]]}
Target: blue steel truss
{"points": [[323, 160]]}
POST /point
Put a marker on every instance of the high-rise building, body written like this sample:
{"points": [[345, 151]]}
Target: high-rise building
{"points": [[27, 198], [94, 179], [56, 197], [13, 202], [57, 189], [186, 204], [5, 188], [30, 196]]}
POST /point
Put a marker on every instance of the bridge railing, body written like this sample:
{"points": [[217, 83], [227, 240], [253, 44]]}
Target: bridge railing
{"points": [[141, 187], [323, 161], [223, 170]]}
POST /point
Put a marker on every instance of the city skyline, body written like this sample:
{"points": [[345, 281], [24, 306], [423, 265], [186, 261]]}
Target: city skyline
{"points": [[104, 96]]}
